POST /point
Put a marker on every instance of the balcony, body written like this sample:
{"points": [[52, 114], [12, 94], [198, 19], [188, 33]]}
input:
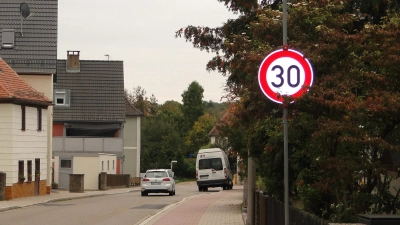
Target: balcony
{"points": [[112, 145]]}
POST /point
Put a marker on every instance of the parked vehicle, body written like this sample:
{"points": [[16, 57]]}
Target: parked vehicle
{"points": [[213, 169], [158, 181]]}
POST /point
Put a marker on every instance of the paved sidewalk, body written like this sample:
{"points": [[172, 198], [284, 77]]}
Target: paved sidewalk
{"points": [[223, 207], [59, 195]]}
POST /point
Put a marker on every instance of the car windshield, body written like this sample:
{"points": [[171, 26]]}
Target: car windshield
{"points": [[156, 174], [215, 163]]}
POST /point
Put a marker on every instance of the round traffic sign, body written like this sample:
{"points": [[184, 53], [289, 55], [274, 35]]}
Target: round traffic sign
{"points": [[285, 72]]}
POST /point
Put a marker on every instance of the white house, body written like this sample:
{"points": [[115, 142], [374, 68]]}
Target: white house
{"points": [[32, 54], [23, 135], [91, 115], [89, 164]]}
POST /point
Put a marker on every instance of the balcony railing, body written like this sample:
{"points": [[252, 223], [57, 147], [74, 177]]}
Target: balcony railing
{"points": [[87, 144]]}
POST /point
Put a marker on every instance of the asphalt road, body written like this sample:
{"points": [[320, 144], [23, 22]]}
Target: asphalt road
{"points": [[126, 208]]}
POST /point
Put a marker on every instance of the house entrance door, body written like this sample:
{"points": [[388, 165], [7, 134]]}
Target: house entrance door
{"points": [[64, 171], [37, 176]]}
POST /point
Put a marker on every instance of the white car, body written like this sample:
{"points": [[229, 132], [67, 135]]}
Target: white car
{"points": [[158, 181]]}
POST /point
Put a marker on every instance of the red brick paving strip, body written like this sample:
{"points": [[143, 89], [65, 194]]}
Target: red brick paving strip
{"points": [[227, 210], [189, 212], [206, 209]]}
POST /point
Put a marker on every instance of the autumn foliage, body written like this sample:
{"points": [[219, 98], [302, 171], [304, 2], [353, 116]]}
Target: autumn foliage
{"points": [[343, 129]]}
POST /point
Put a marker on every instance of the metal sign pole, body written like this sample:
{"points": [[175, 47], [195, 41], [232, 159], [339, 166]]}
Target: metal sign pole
{"points": [[267, 79], [285, 123], [286, 166]]}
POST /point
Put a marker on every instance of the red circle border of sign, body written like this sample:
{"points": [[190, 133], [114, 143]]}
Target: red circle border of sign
{"points": [[308, 73]]}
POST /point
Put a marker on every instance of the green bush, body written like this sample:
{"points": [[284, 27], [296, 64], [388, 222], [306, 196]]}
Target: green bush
{"points": [[185, 167]]}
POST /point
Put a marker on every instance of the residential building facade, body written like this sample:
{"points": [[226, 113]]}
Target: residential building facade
{"points": [[132, 147], [23, 135], [90, 117], [28, 34]]}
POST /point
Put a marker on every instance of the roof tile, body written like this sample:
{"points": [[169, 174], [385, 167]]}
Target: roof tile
{"points": [[13, 87], [35, 49], [97, 92], [131, 110]]}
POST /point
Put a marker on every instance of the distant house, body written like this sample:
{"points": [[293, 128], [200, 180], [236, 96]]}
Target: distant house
{"points": [[23, 133], [28, 34], [132, 148], [89, 120], [215, 134], [217, 138]]}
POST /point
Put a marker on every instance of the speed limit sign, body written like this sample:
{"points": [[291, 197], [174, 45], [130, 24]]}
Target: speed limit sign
{"points": [[285, 72]]}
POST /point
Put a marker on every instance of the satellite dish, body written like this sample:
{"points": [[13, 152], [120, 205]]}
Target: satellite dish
{"points": [[24, 10]]}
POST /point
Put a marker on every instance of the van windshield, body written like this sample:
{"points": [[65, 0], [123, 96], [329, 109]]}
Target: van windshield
{"points": [[215, 163]]}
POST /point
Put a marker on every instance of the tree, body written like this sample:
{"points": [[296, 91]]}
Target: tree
{"points": [[138, 98], [192, 107], [160, 142], [342, 127], [198, 135], [171, 112], [215, 109], [184, 168]]}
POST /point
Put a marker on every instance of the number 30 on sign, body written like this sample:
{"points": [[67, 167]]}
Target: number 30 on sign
{"points": [[285, 72]]}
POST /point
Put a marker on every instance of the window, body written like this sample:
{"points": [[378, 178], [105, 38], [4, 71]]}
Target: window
{"points": [[39, 119], [21, 169], [102, 165], [215, 163], [66, 163], [108, 164], [8, 37], [23, 117], [62, 97], [156, 174], [29, 170]]}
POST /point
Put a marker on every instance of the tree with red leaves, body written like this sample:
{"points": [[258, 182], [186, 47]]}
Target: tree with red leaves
{"points": [[340, 131]]}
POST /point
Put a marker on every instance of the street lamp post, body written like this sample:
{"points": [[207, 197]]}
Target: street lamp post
{"points": [[173, 161]]}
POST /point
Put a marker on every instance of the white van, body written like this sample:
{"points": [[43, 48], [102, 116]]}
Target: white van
{"points": [[213, 169]]}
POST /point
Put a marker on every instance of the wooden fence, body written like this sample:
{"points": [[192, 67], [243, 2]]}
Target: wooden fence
{"points": [[135, 181], [118, 180], [269, 211]]}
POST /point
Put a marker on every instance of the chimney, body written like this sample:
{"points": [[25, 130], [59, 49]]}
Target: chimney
{"points": [[73, 65]]}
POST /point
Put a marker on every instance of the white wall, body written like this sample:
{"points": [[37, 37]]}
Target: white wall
{"points": [[212, 139], [44, 84], [16, 144], [6, 157], [131, 164], [56, 168], [107, 163], [89, 167]]}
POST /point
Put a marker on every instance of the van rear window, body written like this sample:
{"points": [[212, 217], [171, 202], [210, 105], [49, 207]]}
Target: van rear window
{"points": [[214, 163]]}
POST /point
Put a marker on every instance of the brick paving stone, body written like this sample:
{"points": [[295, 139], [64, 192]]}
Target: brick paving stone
{"points": [[225, 210], [223, 207]]}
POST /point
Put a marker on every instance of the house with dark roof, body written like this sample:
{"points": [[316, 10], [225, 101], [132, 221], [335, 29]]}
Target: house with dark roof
{"points": [[90, 119], [215, 134], [131, 157], [23, 130], [28, 44], [218, 139]]}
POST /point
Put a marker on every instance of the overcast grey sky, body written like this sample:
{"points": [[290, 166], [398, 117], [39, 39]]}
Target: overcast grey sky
{"points": [[141, 33]]}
